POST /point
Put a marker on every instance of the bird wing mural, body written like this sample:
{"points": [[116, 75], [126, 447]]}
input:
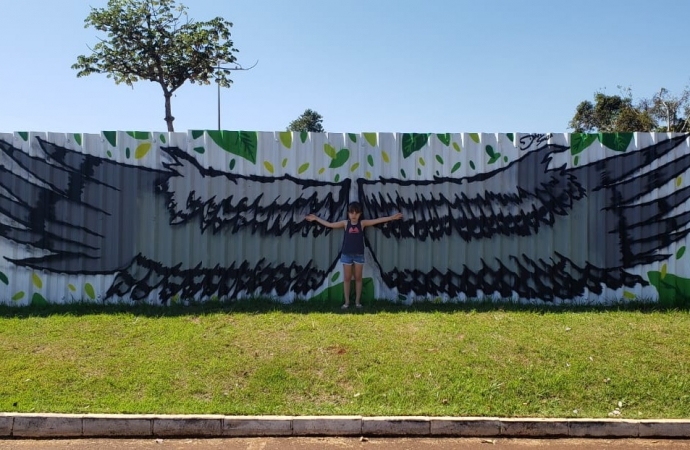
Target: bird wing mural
{"points": [[180, 230], [535, 228], [530, 229]]}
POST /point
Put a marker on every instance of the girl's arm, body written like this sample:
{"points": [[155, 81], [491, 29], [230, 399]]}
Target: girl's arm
{"points": [[312, 217], [366, 223]]}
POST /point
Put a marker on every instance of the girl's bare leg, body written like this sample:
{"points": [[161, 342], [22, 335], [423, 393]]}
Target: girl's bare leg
{"points": [[358, 283], [347, 269]]}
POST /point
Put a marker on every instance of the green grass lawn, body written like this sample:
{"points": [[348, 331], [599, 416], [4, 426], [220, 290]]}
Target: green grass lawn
{"points": [[259, 357]]}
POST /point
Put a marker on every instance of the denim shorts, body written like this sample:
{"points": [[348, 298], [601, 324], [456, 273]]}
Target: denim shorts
{"points": [[351, 259]]}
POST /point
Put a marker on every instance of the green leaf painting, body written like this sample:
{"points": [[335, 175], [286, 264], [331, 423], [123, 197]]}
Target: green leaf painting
{"points": [[4, 278], [370, 160], [140, 135], [412, 142], [335, 293], [286, 138], [352, 136], [580, 141], [475, 137], [196, 134], [329, 150], [24, 135], [18, 296], [90, 292], [38, 300], [511, 136], [141, 150], [240, 143], [111, 137], [673, 290], [445, 138], [77, 138], [340, 158], [456, 166], [303, 135], [303, 168], [680, 253], [370, 138], [493, 156], [616, 141]]}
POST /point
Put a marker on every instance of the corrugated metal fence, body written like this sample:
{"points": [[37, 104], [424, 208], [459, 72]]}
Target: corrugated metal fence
{"points": [[205, 215]]}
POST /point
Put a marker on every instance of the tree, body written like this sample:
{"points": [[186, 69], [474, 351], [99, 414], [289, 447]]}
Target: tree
{"points": [[309, 121], [613, 113], [666, 108], [154, 40]]}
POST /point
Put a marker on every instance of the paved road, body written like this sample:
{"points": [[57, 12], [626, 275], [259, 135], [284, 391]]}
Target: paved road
{"points": [[332, 443]]}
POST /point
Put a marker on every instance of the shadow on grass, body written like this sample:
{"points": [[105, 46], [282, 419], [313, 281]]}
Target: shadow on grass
{"points": [[266, 305]]}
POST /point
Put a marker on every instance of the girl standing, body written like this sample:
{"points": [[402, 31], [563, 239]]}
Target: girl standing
{"points": [[352, 253]]}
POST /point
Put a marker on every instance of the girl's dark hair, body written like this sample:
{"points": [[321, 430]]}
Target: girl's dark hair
{"points": [[355, 207]]}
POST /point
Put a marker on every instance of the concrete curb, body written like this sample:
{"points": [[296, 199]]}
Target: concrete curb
{"points": [[22, 425]]}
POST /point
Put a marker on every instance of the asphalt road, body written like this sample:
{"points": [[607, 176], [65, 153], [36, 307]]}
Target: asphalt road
{"points": [[336, 443]]}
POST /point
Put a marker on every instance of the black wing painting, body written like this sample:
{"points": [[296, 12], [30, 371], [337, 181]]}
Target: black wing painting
{"points": [[530, 229], [181, 230]]}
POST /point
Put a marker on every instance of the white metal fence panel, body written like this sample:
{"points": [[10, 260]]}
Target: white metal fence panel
{"points": [[205, 215]]}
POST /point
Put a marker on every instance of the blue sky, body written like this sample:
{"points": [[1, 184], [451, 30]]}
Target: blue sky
{"points": [[365, 65]]}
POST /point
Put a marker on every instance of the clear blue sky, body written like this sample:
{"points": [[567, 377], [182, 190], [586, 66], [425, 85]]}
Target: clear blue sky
{"points": [[365, 65]]}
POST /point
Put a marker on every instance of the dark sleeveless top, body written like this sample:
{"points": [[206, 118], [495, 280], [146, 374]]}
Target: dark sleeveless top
{"points": [[353, 242]]}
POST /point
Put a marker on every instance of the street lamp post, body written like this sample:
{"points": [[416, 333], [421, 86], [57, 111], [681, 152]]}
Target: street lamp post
{"points": [[218, 102], [228, 70]]}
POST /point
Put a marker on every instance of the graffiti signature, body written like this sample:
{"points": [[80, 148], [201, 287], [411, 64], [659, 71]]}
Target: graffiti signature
{"points": [[536, 139]]}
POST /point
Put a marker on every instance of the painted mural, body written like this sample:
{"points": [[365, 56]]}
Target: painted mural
{"points": [[219, 215]]}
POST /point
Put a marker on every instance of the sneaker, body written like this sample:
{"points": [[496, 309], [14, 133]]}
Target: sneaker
{"points": [[345, 306]]}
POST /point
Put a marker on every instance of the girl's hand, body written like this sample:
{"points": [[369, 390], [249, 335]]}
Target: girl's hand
{"points": [[397, 216], [310, 218]]}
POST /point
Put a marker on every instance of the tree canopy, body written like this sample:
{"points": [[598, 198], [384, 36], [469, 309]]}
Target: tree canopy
{"points": [[619, 113], [309, 121], [154, 40], [667, 108]]}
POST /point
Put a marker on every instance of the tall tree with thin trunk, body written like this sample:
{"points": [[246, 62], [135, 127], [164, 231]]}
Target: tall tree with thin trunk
{"points": [[667, 108], [155, 40]]}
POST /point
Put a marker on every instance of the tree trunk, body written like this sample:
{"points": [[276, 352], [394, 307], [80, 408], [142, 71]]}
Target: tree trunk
{"points": [[168, 113]]}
